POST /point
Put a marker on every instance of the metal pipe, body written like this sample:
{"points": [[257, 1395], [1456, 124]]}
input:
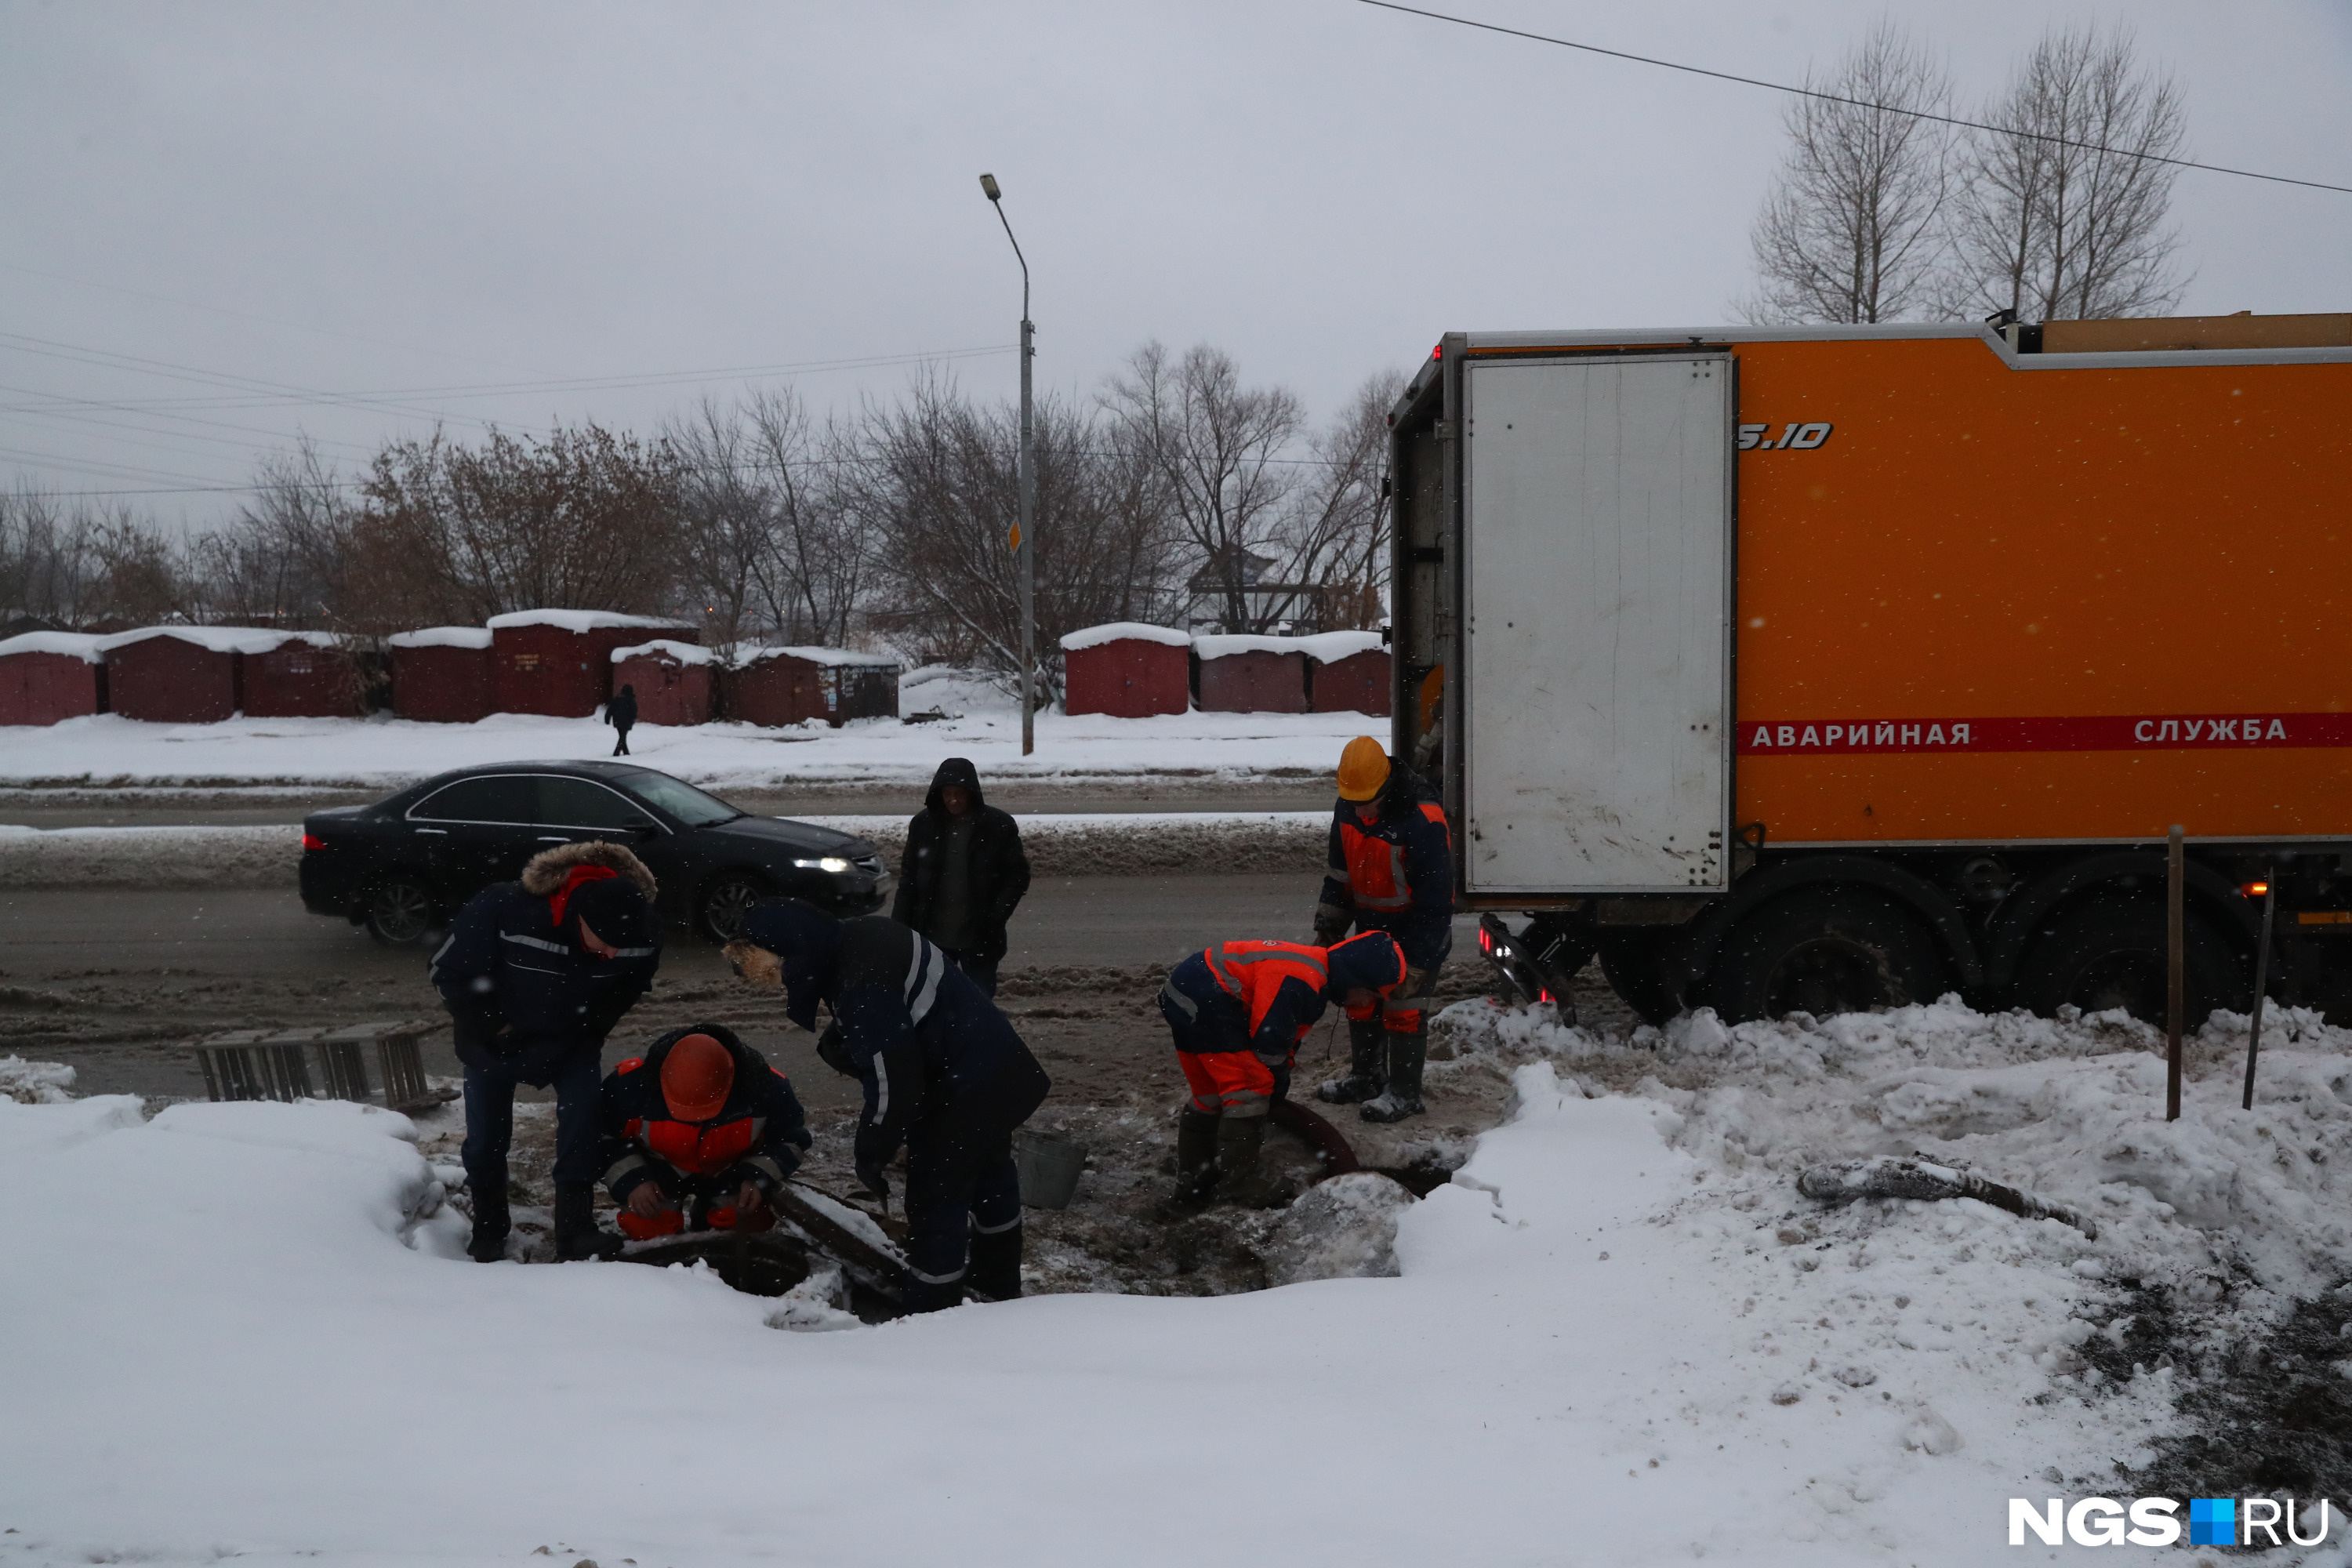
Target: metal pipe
{"points": [[1024, 545], [2262, 981], [2176, 1003]]}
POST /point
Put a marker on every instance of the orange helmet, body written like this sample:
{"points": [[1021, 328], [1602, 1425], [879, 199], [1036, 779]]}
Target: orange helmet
{"points": [[1363, 769], [695, 1076]]}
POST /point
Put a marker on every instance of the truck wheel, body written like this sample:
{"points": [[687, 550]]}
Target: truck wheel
{"points": [[1825, 949], [1635, 963], [2111, 954], [725, 898], [400, 912]]}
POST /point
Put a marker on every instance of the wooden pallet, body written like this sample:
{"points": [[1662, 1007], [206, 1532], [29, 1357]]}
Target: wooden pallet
{"points": [[275, 1064]]}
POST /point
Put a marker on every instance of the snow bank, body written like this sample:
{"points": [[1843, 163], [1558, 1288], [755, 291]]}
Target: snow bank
{"points": [[1598, 1350], [661, 648], [385, 754], [221, 639], [443, 636], [1330, 647], [580, 620], [1123, 631], [83, 645], [35, 1083]]}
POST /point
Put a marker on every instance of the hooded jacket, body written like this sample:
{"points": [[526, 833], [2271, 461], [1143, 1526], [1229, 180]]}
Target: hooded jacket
{"points": [[1394, 875], [622, 710], [757, 1136], [934, 1055], [522, 991], [999, 870]]}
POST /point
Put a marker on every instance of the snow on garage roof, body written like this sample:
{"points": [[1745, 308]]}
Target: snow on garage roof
{"points": [[221, 639], [663, 648], [580, 620], [1223, 645], [1330, 647], [835, 656], [441, 637], [83, 645], [1123, 631]]}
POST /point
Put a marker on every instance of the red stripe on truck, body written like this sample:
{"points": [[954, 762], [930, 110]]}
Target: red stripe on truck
{"points": [[2102, 733]]}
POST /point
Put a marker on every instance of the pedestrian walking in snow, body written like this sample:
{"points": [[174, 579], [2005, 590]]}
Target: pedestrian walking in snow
{"points": [[1238, 1011], [945, 1075], [963, 874], [535, 974], [621, 713], [698, 1135], [1391, 869]]}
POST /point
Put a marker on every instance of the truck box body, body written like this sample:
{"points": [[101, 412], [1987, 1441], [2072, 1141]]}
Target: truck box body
{"points": [[1949, 593]]}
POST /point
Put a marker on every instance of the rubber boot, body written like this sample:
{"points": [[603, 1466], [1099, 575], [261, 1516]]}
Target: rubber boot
{"points": [[1241, 1179], [995, 1270], [490, 1227], [1367, 1066], [1196, 1155], [577, 1236], [1402, 1096]]}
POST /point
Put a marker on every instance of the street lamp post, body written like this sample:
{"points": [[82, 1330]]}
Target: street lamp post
{"points": [[1025, 548]]}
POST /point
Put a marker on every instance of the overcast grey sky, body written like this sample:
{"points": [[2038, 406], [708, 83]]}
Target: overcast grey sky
{"points": [[363, 218]]}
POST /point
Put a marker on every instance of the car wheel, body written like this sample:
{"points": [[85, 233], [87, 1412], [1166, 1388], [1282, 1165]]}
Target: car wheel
{"points": [[1825, 950], [400, 912], [2111, 954], [724, 899]]}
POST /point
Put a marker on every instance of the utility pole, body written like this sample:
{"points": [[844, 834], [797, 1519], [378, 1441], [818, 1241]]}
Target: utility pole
{"points": [[1025, 545]]}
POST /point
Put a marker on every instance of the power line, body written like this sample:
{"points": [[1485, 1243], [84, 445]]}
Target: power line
{"points": [[1854, 102]]}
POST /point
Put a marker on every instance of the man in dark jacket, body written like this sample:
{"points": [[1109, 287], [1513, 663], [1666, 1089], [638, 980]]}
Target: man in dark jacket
{"points": [[1238, 1011], [698, 1134], [535, 974], [944, 1074], [963, 874], [621, 713], [1391, 869]]}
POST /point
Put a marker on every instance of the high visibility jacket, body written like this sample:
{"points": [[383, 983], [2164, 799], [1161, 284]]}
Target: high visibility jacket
{"points": [[1281, 981], [757, 1136], [1395, 873], [519, 993]]}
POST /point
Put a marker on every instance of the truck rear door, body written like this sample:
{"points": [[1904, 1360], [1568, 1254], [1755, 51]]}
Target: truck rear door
{"points": [[1597, 521]]}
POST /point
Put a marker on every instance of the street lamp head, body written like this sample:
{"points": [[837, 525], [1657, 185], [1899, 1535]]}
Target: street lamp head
{"points": [[988, 183]]}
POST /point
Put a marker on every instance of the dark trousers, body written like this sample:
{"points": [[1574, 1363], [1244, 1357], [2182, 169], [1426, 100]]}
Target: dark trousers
{"points": [[981, 972], [621, 746], [956, 1186], [489, 1120]]}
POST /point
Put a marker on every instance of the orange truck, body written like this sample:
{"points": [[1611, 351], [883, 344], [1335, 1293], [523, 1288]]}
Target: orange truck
{"points": [[1828, 668]]}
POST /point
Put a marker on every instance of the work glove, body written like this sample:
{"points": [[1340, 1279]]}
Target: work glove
{"points": [[834, 1051], [872, 1152], [1326, 935]]}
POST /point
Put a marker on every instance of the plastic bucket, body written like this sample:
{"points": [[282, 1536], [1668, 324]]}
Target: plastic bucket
{"points": [[1049, 1163]]}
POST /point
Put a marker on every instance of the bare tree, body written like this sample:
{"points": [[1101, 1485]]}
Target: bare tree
{"points": [[1214, 448], [2062, 210], [1337, 541], [1851, 230]]}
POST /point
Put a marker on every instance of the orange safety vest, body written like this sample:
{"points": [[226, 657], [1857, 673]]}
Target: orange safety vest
{"points": [[1252, 972], [1376, 874], [701, 1151]]}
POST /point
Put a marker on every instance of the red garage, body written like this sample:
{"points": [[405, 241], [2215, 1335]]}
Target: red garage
{"points": [[442, 674], [303, 675], [780, 686], [181, 675], [1126, 669], [48, 676], [1346, 672], [672, 680], [1250, 674], [560, 661]]}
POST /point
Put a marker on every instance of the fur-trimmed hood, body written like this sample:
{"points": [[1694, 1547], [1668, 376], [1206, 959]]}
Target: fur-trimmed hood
{"points": [[543, 874]]}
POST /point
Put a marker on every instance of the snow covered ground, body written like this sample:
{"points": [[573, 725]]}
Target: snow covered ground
{"points": [[1618, 1337], [383, 752]]}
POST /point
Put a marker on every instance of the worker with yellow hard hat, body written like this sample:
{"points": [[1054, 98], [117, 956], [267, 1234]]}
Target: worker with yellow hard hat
{"points": [[1391, 869]]}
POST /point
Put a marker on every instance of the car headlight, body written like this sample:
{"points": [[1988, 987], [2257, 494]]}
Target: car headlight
{"points": [[833, 863]]}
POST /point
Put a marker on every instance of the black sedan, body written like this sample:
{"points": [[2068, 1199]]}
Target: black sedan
{"points": [[403, 866]]}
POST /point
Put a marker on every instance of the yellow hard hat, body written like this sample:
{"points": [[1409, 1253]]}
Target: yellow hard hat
{"points": [[1363, 769]]}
